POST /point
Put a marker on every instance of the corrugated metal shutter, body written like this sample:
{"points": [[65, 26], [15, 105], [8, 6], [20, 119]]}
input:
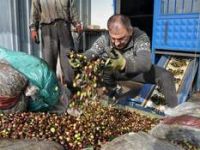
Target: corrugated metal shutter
{"points": [[14, 30], [8, 31], [14, 25]]}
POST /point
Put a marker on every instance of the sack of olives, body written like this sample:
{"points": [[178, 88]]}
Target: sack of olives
{"points": [[12, 85]]}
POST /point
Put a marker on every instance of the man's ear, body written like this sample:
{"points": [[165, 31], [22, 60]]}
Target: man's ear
{"points": [[130, 31]]}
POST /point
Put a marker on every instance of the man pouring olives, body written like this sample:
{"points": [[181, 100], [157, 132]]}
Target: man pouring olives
{"points": [[130, 60]]}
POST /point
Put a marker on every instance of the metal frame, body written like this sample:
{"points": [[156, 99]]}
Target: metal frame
{"points": [[165, 18], [171, 50]]}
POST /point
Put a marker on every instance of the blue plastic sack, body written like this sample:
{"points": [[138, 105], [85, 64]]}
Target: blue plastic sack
{"points": [[38, 73]]}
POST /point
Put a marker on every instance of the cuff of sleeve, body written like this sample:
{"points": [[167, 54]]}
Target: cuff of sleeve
{"points": [[32, 28], [123, 64], [75, 23]]}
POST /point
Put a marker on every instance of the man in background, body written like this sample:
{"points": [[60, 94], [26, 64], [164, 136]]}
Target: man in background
{"points": [[54, 18]]}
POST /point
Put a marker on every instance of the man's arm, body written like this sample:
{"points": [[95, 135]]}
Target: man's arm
{"points": [[97, 49], [35, 15], [74, 17], [139, 59], [34, 20]]}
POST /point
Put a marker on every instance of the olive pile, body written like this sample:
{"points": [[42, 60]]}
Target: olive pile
{"points": [[95, 126], [177, 63], [177, 67]]}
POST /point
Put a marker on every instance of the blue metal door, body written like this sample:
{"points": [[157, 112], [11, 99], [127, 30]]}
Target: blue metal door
{"points": [[176, 28], [176, 25]]}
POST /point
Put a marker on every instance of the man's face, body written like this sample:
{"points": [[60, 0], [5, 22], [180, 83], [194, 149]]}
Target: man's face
{"points": [[119, 35]]}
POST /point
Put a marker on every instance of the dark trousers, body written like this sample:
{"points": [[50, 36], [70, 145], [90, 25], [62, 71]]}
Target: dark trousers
{"points": [[157, 75], [57, 40]]}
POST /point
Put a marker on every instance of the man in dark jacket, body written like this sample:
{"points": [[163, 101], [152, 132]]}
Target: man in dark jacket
{"points": [[55, 18], [132, 48]]}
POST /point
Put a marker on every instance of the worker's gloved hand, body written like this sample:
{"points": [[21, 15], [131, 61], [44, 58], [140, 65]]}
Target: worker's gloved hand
{"points": [[35, 36], [75, 63], [117, 63]]}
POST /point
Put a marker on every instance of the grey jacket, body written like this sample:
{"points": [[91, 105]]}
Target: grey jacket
{"points": [[136, 53], [47, 11]]}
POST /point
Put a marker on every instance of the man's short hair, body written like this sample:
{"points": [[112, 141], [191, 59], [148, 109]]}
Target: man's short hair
{"points": [[122, 19]]}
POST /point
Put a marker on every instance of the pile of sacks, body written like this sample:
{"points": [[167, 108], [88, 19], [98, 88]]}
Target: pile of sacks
{"points": [[12, 85], [181, 124], [26, 83]]}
